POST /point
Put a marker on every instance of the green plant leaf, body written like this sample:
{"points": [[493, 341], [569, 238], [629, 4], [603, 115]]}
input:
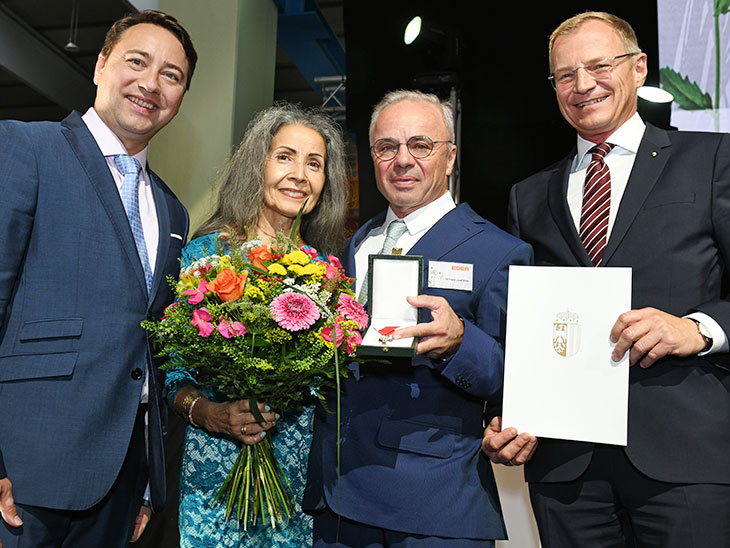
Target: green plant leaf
{"points": [[688, 95]]}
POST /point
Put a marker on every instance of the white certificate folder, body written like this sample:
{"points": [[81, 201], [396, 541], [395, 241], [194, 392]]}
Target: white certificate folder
{"points": [[559, 379]]}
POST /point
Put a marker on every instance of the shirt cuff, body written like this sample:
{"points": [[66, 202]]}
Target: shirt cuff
{"points": [[719, 338]]}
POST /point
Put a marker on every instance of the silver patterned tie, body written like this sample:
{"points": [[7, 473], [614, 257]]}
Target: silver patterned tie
{"points": [[395, 230]]}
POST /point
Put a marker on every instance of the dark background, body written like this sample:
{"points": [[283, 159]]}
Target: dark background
{"points": [[511, 126]]}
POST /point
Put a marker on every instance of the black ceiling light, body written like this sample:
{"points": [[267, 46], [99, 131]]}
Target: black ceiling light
{"points": [[71, 45]]}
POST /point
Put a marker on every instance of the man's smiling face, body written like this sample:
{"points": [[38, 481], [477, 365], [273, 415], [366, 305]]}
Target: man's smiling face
{"points": [[140, 84], [596, 108]]}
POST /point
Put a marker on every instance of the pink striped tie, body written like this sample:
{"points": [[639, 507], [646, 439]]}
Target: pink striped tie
{"points": [[596, 204]]}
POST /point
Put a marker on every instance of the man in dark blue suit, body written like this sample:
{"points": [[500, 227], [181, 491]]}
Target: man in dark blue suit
{"points": [[86, 244], [666, 215], [411, 473]]}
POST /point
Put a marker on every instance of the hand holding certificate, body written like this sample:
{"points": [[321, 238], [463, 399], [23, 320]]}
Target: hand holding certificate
{"points": [[560, 380]]}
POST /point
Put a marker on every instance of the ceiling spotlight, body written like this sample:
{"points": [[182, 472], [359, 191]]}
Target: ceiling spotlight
{"points": [[413, 29]]}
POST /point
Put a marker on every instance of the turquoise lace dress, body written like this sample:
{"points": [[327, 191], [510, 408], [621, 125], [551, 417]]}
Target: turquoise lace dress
{"points": [[207, 460]]}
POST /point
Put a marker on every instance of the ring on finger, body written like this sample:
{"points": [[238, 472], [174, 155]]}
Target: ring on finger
{"points": [[243, 430]]}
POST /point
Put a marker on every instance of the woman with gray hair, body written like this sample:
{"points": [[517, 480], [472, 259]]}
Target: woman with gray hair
{"points": [[287, 158]]}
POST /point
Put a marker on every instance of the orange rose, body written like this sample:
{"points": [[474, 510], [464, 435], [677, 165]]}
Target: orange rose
{"points": [[228, 285], [259, 254]]}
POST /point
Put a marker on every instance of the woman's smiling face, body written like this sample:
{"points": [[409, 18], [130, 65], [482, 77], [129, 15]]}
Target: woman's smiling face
{"points": [[294, 170]]}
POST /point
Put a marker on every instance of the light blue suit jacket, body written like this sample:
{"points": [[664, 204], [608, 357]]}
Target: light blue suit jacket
{"points": [[411, 430], [72, 296]]}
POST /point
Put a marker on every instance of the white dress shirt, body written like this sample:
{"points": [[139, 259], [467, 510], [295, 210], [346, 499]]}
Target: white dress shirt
{"points": [[417, 223], [620, 161]]}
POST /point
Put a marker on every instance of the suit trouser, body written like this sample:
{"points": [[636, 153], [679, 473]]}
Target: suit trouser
{"points": [[331, 530], [614, 505], [109, 523]]}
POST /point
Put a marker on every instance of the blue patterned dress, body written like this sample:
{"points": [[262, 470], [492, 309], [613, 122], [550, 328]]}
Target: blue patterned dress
{"points": [[208, 459]]}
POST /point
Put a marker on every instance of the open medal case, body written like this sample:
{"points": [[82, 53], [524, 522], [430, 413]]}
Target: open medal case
{"points": [[392, 278]]}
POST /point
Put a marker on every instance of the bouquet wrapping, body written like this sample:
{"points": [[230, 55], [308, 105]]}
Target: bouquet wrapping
{"points": [[269, 324]]}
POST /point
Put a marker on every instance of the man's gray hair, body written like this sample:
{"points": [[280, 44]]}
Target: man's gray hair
{"points": [[447, 112]]}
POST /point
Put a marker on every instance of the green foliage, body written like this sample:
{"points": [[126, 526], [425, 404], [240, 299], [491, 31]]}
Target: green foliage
{"points": [[688, 95], [721, 7]]}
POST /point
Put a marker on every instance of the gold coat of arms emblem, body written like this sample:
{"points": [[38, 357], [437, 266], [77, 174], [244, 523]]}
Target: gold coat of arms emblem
{"points": [[566, 334]]}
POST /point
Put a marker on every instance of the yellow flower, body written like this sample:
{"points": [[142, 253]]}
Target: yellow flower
{"points": [[311, 269], [276, 268], [297, 257], [187, 282], [296, 269], [253, 292], [225, 262]]}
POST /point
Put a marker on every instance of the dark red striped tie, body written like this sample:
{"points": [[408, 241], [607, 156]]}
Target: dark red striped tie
{"points": [[596, 204]]}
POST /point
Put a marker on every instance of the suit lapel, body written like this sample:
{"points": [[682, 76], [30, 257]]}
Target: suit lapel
{"points": [[164, 228], [452, 229], [558, 205], [653, 154], [97, 170]]}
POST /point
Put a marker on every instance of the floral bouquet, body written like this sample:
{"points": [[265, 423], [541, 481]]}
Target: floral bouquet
{"points": [[263, 324]]}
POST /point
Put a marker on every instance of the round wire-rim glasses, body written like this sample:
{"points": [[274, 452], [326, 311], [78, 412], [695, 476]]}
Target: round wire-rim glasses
{"points": [[419, 146]]}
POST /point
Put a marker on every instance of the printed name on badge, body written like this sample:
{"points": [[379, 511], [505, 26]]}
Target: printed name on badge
{"points": [[443, 275]]}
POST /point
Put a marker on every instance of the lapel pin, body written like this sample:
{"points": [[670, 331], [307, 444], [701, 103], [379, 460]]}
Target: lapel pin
{"points": [[653, 154]]}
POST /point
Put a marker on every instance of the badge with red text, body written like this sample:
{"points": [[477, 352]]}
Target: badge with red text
{"points": [[443, 275]]}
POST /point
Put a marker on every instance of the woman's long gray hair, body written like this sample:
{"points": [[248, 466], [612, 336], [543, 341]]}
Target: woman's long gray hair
{"points": [[241, 192]]}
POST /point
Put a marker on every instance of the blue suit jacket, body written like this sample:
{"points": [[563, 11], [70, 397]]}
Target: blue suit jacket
{"points": [[72, 296], [673, 229], [411, 429]]}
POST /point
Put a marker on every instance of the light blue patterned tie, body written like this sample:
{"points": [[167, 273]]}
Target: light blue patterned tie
{"points": [[395, 230], [130, 198]]}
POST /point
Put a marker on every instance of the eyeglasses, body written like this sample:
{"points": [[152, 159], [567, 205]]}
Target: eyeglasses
{"points": [[419, 146], [599, 70]]}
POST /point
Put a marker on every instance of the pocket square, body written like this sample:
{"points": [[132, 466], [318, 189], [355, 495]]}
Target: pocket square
{"points": [[173, 235]]}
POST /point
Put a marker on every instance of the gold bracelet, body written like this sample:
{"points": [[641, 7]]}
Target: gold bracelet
{"points": [[187, 405]]}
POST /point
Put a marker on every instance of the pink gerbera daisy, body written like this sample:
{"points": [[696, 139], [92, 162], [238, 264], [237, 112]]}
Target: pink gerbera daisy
{"points": [[352, 310], [294, 311]]}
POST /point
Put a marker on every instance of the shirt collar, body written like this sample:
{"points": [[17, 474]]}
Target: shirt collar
{"points": [[108, 142], [627, 139], [424, 217]]}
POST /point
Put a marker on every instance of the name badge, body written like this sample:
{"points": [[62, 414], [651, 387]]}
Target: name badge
{"points": [[444, 275]]}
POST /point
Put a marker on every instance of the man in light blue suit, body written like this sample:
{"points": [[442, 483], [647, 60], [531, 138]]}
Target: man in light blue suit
{"points": [[86, 244], [411, 470]]}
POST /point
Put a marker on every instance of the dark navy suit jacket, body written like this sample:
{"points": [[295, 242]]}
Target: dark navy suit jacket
{"points": [[411, 429], [72, 296], [673, 229]]}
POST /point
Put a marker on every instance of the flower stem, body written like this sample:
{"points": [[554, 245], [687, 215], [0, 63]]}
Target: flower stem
{"points": [[716, 15]]}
